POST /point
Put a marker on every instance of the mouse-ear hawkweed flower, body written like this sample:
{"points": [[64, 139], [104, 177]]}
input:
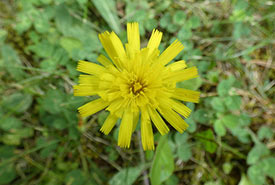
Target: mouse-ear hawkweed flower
{"points": [[137, 84]]}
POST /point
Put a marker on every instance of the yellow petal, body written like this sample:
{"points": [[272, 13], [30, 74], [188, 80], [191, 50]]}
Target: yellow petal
{"points": [[186, 95], [92, 107], [118, 46], [180, 108], [88, 80], [133, 38], [182, 75], [154, 41], [158, 121], [170, 53], [104, 61], [105, 39], [84, 90], [173, 118], [136, 118], [177, 66], [125, 129], [109, 124], [147, 136], [90, 68]]}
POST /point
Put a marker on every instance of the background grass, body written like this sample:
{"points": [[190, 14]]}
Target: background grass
{"points": [[231, 135]]}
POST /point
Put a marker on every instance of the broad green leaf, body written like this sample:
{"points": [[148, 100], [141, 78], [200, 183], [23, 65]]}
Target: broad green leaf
{"points": [[75, 177], [52, 101], [7, 174], [265, 132], [179, 17], [126, 176], [207, 138], [245, 181], [219, 128], [165, 20], [193, 22], [107, 9], [218, 104], [64, 21], [241, 133], [163, 164], [256, 153], [256, 175], [258, 171], [70, 44], [102, 117], [225, 86], [48, 150], [12, 62], [184, 33], [60, 123], [192, 84], [233, 102], [6, 151], [268, 166], [231, 121], [227, 167], [201, 116], [172, 180], [151, 24], [17, 102], [184, 152], [8, 123]]}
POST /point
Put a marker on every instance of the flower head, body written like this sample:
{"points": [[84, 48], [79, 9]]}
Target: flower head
{"points": [[137, 84]]}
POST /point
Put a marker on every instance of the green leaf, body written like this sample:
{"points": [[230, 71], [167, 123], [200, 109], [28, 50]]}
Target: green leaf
{"points": [[225, 86], [233, 102], [6, 151], [227, 167], [179, 17], [265, 132], [63, 19], [193, 22], [201, 116], [184, 152], [126, 176], [107, 9], [172, 180], [151, 24], [230, 121], [12, 62], [102, 117], [70, 44], [207, 138], [241, 133], [17, 102], [258, 171], [9, 123], [163, 164], [60, 123], [192, 84], [75, 177], [52, 101], [245, 181], [256, 175], [256, 153], [184, 33], [165, 20], [218, 104], [219, 128], [48, 150], [7, 174]]}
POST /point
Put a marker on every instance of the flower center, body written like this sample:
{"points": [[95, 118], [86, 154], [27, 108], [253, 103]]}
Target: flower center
{"points": [[136, 87]]}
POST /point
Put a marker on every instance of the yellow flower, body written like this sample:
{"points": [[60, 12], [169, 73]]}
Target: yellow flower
{"points": [[137, 84]]}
